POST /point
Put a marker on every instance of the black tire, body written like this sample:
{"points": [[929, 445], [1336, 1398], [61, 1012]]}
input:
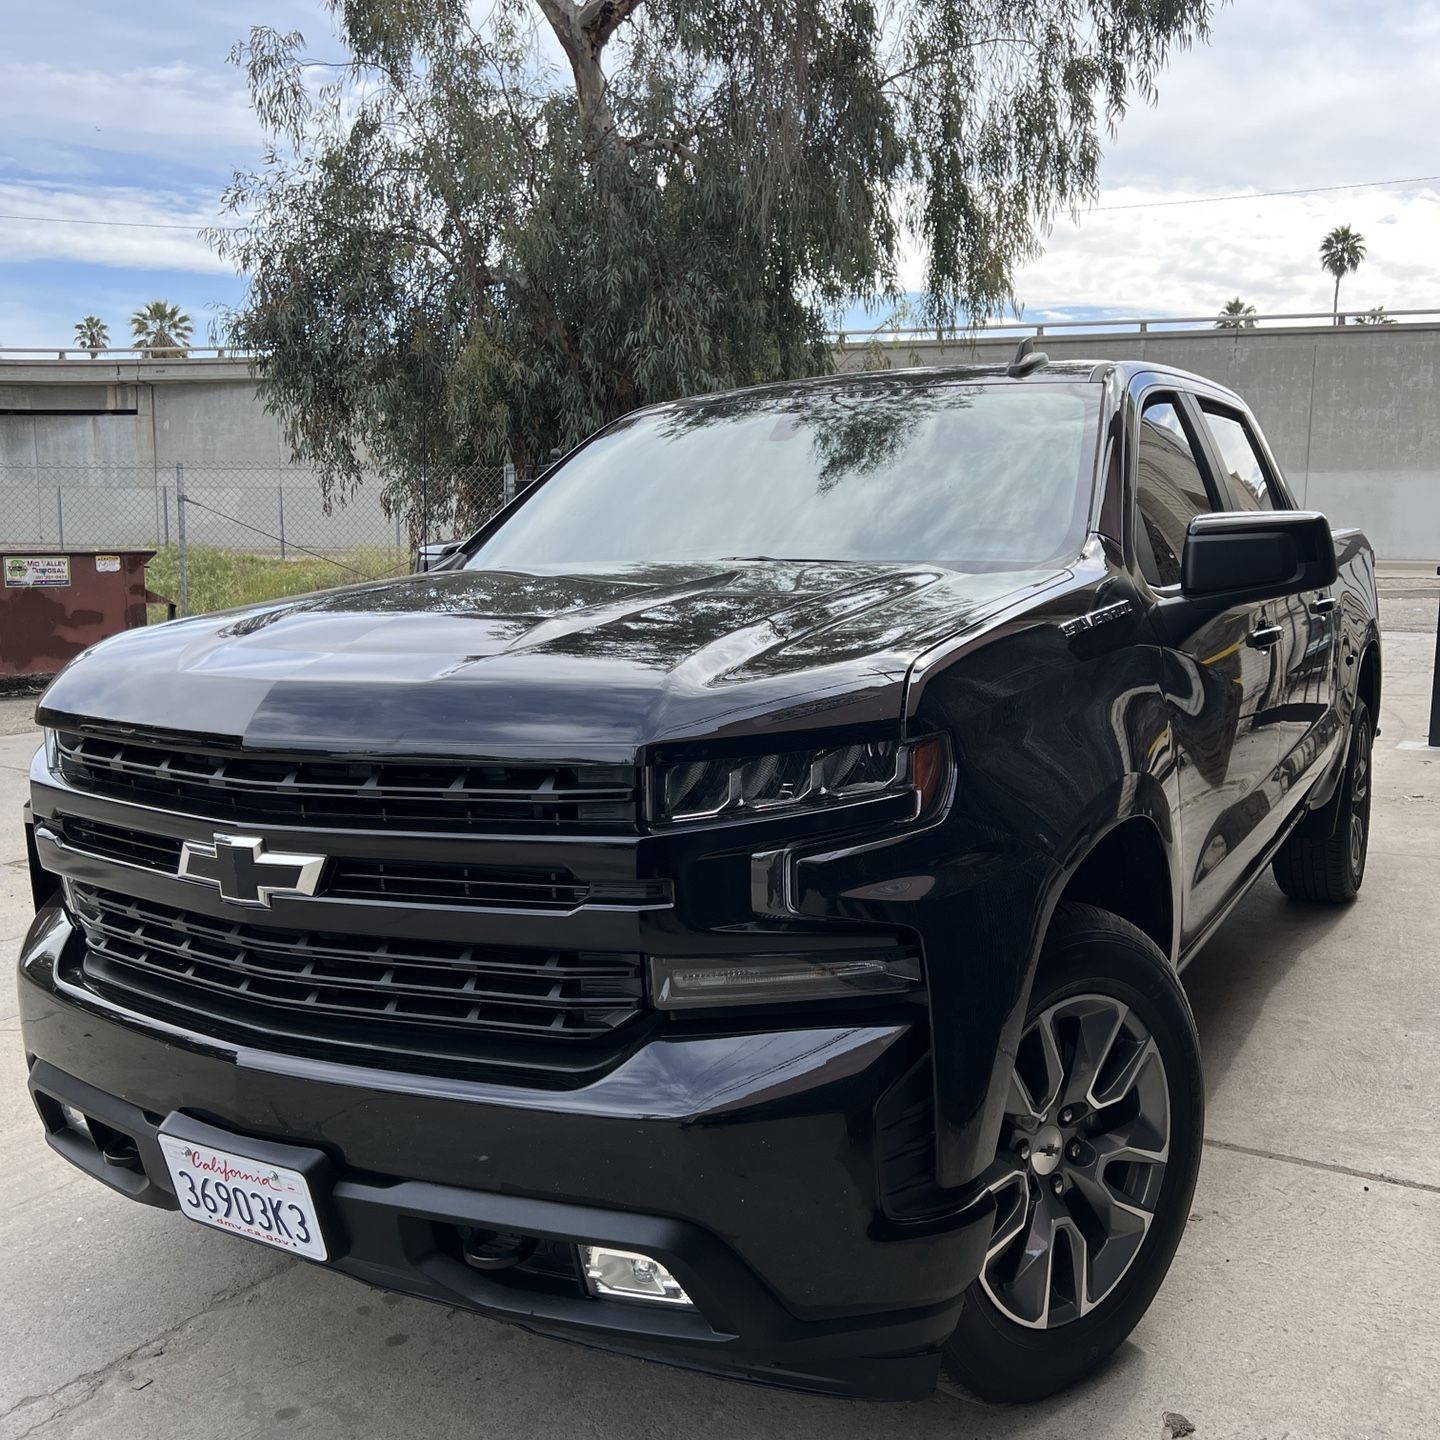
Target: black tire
{"points": [[1323, 859], [1093, 954]]}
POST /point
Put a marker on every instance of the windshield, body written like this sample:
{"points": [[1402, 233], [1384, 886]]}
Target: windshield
{"points": [[975, 477]]}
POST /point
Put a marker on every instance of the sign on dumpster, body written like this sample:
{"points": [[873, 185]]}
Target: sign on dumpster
{"points": [[35, 572]]}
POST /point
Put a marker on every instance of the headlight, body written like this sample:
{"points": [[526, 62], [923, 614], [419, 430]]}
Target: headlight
{"points": [[803, 779]]}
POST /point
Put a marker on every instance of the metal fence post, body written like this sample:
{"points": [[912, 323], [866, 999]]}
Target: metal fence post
{"points": [[60, 513], [1434, 687], [280, 493], [165, 501], [180, 533], [507, 483]]}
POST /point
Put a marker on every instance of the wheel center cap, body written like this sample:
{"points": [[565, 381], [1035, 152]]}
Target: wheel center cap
{"points": [[1045, 1149]]}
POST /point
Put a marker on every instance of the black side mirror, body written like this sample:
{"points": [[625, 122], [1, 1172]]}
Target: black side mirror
{"points": [[1244, 557], [429, 556], [1257, 555]]}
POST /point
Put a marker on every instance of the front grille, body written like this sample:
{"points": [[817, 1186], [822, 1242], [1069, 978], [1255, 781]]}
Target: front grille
{"points": [[227, 783], [398, 882], [403, 995]]}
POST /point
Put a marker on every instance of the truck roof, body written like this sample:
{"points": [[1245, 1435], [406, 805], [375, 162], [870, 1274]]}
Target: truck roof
{"points": [[1084, 370]]}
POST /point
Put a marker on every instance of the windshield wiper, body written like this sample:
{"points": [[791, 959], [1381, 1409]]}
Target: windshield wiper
{"points": [[794, 559]]}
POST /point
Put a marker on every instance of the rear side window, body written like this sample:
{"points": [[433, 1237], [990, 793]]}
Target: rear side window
{"points": [[1244, 470], [1170, 491]]}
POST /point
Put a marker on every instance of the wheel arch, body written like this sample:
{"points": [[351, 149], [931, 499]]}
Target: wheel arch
{"points": [[1368, 680], [1128, 871], [1129, 821]]}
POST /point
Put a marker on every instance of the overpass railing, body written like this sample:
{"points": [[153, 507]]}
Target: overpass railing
{"points": [[1135, 325], [885, 330]]}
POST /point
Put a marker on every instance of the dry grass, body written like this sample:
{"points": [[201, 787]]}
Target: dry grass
{"points": [[223, 579]]}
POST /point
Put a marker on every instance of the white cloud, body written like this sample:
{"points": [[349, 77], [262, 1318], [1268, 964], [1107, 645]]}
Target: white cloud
{"points": [[170, 113], [1287, 94], [1188, 260]]}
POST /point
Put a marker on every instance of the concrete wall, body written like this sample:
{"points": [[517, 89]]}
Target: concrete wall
{"points": [[135, 414], [89, 449], [1352, 412]]}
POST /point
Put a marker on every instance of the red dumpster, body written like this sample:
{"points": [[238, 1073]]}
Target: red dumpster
{"points": [[54, 603]]}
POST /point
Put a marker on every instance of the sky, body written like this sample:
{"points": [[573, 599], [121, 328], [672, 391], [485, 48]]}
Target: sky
{"points": [[131, 113]]}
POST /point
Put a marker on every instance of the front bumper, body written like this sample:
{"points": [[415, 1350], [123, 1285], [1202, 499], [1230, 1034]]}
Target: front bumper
{"points": [[746, 1164]]}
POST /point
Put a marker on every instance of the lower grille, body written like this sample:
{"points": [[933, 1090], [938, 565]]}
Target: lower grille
{"points": [[420, 996]]}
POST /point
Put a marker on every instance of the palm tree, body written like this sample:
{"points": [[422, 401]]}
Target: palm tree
{"points": [[161, 329], [92, 334], [1341, 252], [1236, 315]]}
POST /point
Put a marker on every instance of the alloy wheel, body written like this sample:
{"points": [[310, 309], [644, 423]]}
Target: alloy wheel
{"points": [[1081, 1162], [1359, 803]]}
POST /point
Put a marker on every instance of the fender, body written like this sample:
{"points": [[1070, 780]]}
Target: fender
{"points": [[1134, 796]]}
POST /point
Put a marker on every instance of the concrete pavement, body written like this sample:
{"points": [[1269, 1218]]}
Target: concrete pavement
{"points": [[1305, 1300]]}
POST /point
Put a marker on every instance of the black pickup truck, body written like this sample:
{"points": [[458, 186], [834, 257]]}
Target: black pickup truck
{"points": [[730, 911]]}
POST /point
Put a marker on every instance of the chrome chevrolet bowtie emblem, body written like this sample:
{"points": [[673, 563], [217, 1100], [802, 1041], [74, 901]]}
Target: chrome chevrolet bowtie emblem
{"points": [[245, 873]]}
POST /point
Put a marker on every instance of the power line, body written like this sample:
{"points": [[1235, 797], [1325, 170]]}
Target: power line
{"points": [[1268, 194], [1138, 205], [127, 224]]}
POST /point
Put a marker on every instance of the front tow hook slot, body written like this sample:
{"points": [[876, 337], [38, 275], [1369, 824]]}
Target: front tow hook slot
{"points": [[494, 1250]]}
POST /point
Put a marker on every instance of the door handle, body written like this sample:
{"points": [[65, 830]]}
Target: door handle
{"points": [[1264, 637], [1323, 604]]}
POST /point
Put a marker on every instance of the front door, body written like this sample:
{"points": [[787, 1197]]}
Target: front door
{"points": [[1221, 682]]}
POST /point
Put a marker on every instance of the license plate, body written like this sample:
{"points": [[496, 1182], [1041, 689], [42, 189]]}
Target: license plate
{"points": [[246, 1197]]}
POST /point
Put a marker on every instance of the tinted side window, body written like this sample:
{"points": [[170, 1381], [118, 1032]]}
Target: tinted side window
{"points": [[1170, 490], [1245, 474]]}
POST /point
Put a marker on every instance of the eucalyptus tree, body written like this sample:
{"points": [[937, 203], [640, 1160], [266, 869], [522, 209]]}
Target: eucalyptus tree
{"points": [[481, 233], [1341, 252]]}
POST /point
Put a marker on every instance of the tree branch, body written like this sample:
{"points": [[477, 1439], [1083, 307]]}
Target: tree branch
{"points": [[600, 19], [925, 64]]}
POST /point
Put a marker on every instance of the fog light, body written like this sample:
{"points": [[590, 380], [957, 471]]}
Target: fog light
{"points": [[628, 1275], [777, 979]]}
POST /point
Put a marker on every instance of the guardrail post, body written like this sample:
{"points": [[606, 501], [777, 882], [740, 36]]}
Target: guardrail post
{"points": [[180, 536], [1435, 683]]}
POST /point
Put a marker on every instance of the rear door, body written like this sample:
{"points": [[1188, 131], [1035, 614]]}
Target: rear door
{"points": [[1303, 714], [1220, 681]]}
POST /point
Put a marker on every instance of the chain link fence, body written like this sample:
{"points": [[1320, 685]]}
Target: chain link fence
{"points": [[231, 535]]}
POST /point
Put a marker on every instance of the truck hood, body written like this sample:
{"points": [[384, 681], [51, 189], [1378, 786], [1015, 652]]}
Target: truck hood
{"points": [[592, 665]]}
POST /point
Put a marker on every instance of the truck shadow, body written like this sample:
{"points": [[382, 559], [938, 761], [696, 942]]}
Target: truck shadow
{"points": [[1264, 939]]}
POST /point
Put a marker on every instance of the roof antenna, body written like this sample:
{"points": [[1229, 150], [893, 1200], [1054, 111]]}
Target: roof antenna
{"points": [[1027, 358]]}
